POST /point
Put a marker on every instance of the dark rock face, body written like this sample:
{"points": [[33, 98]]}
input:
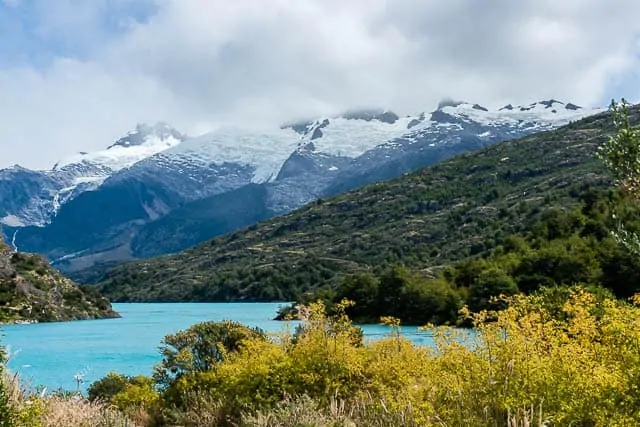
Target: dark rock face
{"points": [[367, 115], [317, 133], [549, 103], [143, 131], [442, 117]]}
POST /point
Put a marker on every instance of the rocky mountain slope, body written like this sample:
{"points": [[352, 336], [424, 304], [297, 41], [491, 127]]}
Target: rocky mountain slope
{"points": [[198, 188], [461, 207], [32, 291], [33, 198]]}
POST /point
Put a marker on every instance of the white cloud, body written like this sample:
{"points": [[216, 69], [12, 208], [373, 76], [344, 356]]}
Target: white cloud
{"points": [[197, 62]]}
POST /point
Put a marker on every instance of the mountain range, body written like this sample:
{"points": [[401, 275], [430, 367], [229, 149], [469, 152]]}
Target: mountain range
{"points": [[461, 208], [156, 191]]}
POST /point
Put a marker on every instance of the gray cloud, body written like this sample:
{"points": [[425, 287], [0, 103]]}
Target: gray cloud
{"points": [[195, 63]]}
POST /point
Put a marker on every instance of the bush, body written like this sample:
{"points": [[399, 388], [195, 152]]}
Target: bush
{"points": [[139, 392], [568, 357], [201, 347], [107, 387], [562, 356], [7, 413]]}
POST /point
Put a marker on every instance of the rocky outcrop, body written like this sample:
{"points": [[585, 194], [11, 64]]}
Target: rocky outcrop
{"points": [[32, 291]]}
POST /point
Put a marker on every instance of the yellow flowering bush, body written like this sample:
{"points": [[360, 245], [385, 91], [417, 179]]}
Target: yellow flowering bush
{"points": [[576, 364]]}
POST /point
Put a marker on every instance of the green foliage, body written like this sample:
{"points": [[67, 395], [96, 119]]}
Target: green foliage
{"points": [[492, 282], [138, 392], [399, 293], [200, 348], [31, 290], [621, 152], [621, 155], [564, 247], [7, 413], [363, 288], [107, 387], [561, 356]]}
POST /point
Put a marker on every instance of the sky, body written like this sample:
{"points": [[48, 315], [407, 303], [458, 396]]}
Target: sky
{"points": [[75, 75]]}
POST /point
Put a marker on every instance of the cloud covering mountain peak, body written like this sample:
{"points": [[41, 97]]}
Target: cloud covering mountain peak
{"points": [[79, 71]]}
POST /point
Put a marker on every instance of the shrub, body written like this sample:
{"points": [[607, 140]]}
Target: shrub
{"points": [[139, 392], [201, 347], [107, 387]]}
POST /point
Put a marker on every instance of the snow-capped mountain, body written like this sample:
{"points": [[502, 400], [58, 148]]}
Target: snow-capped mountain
{"points": [[142, 142], [155, 191], [30, 197]]}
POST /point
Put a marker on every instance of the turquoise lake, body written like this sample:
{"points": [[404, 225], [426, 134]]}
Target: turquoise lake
{"points": [[51, 354]]}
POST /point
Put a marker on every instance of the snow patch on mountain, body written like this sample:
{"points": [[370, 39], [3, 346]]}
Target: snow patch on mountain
{"points": [[549, 113], [265, 152], [139, 144], [230, 157], [346, 137]]}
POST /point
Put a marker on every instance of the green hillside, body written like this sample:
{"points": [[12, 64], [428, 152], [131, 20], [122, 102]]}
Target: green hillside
{"points": [[32, 291], [462, 207]]}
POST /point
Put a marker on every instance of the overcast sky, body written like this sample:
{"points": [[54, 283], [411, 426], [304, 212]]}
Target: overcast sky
{"points": [[77, 74]]}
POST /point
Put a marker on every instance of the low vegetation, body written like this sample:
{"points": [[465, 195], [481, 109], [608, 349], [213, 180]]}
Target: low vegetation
{"points": [[540, 361]]}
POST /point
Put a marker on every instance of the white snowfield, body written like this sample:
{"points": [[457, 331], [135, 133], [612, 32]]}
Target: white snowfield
{"points": [[119, 157], [352, 138], [266, 151], [546, 113]]}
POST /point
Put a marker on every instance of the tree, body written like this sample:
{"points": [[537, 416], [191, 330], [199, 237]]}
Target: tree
{"points": [[390, 290], [108, 386], [429, 301], [621, 155], [362, 289], [492, 282], [201, 347]]}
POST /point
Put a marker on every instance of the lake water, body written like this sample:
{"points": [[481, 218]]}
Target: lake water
{"points": [[51, 354]]}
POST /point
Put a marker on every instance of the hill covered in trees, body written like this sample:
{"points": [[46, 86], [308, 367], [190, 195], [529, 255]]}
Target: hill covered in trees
{"points": [[462, 208], [32, 291]]}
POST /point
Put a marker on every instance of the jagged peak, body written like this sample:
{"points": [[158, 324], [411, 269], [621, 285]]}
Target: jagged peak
{"points": [[143, 131], [384, 116], [449, 102]]}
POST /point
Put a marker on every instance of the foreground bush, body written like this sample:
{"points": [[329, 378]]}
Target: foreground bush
{"points": [[573, 362], [560, 357], [201, 347]]}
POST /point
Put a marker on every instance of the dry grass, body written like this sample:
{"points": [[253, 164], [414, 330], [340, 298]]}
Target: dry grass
{"points": [[79, 412], [304, 411], [204, 411], [34, 410]]}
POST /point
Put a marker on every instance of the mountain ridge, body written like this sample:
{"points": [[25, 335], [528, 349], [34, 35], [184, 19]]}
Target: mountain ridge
{"points": [[457, 208], [296, 165]]}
